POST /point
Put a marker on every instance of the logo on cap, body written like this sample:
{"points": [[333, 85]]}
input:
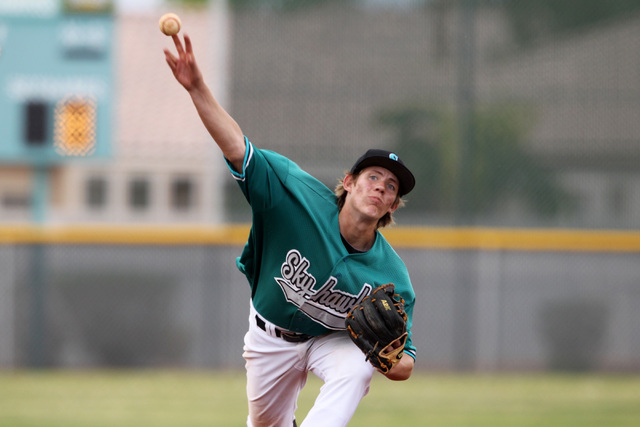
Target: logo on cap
{"points": [[393, 156]]}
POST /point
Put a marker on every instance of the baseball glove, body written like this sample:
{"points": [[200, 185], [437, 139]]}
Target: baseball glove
{"points": [[378, 326]]}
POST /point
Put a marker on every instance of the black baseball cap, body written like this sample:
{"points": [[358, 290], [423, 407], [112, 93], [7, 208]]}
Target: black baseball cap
{"points": [[390, 161]]}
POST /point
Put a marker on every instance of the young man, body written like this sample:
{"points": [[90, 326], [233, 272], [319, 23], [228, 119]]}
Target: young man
{"points": [[310, 257]]}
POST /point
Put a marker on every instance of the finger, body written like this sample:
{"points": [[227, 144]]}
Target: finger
{"points": [[171, 64], [171, 60], [187, 44], [169, 55], [178, 43], [189, 49]]}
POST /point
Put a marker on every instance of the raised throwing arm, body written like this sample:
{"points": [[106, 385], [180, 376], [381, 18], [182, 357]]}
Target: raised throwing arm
{"points": [[220, 125]]}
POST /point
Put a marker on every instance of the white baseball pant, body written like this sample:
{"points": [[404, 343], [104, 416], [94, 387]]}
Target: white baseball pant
{"points": [[277, 371]]}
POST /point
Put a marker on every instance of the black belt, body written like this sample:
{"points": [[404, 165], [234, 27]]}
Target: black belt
{"points": [[285, 335]]}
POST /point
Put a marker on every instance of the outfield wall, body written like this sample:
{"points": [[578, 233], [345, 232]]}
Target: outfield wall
{"points": [[487, 299]]}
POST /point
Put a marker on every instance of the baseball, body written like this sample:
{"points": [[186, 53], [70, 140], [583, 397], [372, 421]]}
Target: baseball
{"points": [[169, 24]]}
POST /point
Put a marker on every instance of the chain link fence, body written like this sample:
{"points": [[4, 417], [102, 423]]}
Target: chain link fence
{"points": [[504, 124], [187, 306], [511, 114]]}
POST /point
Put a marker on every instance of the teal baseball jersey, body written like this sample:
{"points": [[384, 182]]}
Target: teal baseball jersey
{"points": [[302, 277]]}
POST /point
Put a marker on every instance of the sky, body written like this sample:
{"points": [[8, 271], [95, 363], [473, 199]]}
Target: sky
{"points": [[137, 5], [141, 5]]}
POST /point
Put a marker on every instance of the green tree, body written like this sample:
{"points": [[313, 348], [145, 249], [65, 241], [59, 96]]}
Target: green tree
{"points": [[190, 3], [499, 166]]}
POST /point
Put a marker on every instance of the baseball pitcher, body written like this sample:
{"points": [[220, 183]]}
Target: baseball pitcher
{"points": [[329, 295]]}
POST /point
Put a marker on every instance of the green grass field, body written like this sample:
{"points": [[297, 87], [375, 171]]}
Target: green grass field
{"points": [[208, 398]]}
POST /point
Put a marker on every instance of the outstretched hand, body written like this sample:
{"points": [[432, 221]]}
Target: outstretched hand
{"points": [[184, 66]]}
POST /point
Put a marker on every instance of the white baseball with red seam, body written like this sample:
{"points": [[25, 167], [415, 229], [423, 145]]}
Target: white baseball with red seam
{"points": [[170, 24]]}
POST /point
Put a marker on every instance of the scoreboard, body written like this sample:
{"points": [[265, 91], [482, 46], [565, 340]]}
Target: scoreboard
{"points": [[56, 80]]}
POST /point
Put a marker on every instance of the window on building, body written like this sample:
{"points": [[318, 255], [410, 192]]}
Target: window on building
{"points": [[15, 201], [96, 193], [36, 123], [139, 193], [182, 194]]}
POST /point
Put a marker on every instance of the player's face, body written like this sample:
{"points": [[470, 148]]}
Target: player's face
{"points": [[374, 192]]}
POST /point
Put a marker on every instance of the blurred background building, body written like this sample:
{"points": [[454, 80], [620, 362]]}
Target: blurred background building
{"points": [[140, 154], [518, 117]]}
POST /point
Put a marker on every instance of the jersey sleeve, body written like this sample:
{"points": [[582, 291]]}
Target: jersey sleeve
{"points": [[248, 155], [262, 176], [410, 348]]}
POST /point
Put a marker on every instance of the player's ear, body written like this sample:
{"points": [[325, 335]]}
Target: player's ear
{"points": [[395, 205], [348, 181]]}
